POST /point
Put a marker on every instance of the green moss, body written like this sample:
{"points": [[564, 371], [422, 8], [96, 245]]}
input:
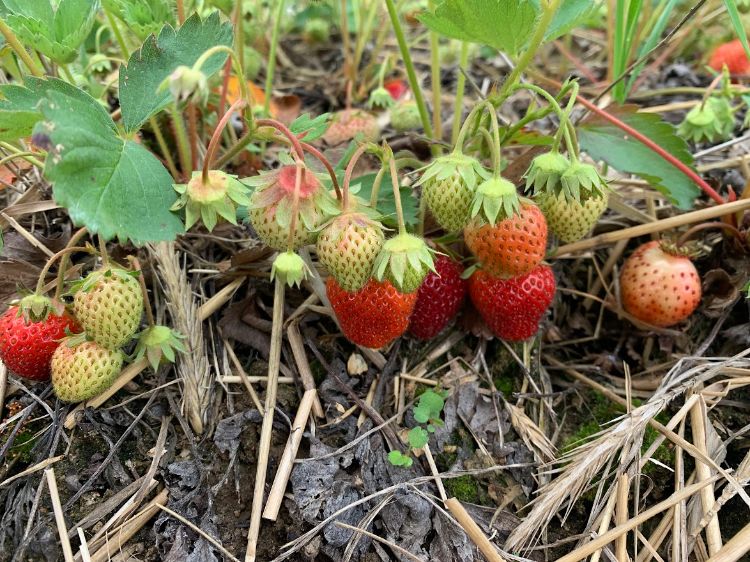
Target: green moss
{"points": [[465, 488], [505, 385]]}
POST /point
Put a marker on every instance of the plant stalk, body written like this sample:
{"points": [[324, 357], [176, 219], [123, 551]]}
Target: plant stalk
{"points": [[15, 44], [183, 145], [272, 54]]}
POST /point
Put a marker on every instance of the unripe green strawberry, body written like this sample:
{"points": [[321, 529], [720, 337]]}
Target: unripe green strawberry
{"points": [[405, 116], [348, 124], [81, 372], [570, 220], [545, 172], [270, 209], [348, 247], [317, 30], [109, 304], [448, 186]]}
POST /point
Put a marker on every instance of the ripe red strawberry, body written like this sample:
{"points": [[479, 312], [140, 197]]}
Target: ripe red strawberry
{"points": [[439, 299], [82, 371], [396, 87], [733, 55], [512, 308], [659, 285], [375, 315], [513, 246], [109, 305], [348, 123], [27, 345]]}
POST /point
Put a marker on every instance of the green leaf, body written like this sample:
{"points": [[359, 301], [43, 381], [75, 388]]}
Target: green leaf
{"points": [[19, 108], [397, 458], [418, 437], [603, 141], [149, 66], [386, 204], [505, 25], [569, 15], [737, 24], [113, 187], [422, 415], [56, 33], [432, 402], [144, 17], [313, 127]]}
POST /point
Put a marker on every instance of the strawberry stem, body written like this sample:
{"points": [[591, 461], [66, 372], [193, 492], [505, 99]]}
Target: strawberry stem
{"points": [[348, 174], [676, 162], [53, 259], [397, 195], [326, 163], [136, 265], [562, 114], [103, 250], [710, 226], [64, 263], [284, 130], [216, 137], [376, 187]]}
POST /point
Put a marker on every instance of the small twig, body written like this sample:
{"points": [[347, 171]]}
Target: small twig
{"points": [[84, 550], [375, 537], [621, 517], [31, 470], [698, 419], [62, 530], [473, 530]]}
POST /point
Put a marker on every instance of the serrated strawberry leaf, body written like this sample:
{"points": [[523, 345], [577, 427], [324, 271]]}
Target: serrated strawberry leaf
{"points": [[569, 15], [418, 437], [19, 106], [604, 141], [159, 56], [314, 128], [144, 17], [115, 187], [55, 32], [505, 25]]}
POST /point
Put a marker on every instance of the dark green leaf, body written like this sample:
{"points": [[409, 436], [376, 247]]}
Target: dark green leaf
{"points": [[505, 25], [386, 203], [144, 17], [56, 32], [158, 58], [418, 437], [19, 108], [313, 127], [603, 141], [113, 187]]}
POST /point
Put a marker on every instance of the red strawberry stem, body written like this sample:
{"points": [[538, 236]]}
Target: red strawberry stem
{"points": [[65, 251], [348, 174], [295, 206], [328, 166], [710, 226], [676, 162], [284, 130], [397, 195], [216, 137], [66, 259]]}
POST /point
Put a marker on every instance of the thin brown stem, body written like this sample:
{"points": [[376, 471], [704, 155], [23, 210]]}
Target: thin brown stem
{"points": [[181, 11], [53, 259], [348, 175], [103, 250], [216, 137], [64, 263], [327, 163], [136, 265], [709, 226]]}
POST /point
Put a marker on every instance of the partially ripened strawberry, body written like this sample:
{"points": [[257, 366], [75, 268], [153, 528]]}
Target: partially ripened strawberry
{"points": [[659, 285], [397, 88], [375, 315], [511, 247], [348, 248], [512, 308], [27, 344], [570, 220], [82, 371], [448, 186], [731, 54], [109, 305], [348, 124], [439, 299], [271, 204]]}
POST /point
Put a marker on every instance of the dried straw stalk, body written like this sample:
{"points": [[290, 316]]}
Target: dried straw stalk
{"points": [[193, 367]]}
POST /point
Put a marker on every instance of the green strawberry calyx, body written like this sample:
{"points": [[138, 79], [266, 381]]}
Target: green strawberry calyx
{"points": [[711, 120], [380, 98], [582, 181], [36, 308], [496, 199], [89, 282], [469, 169], [289, 268], [545, 172], [212, 199], [405, 260], [158, 344]]}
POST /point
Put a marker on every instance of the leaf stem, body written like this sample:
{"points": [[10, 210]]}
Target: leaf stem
{"points": [[103, 250], [68, 75], [66, 258], [437, 104], [458, 106], [166, 153], [348, 174], [135, 264], [236, 63], [183, 147], [216, 138], [192, 113], [28, 156], [181, 11], [117, 33], [676, 162], [15, 44], [272, 55], [397, 195], [548, 13], [238, 147], [53, 259], [410, 72]]}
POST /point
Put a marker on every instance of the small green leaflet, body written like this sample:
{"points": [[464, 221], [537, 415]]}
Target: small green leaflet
{"points": [[418, 437], [397, 458], [603, 141], [505, 25], [115, 188], [54, 32], [313, 127], [144, 17], [159, 57], [19, 108], [569, 15]]}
